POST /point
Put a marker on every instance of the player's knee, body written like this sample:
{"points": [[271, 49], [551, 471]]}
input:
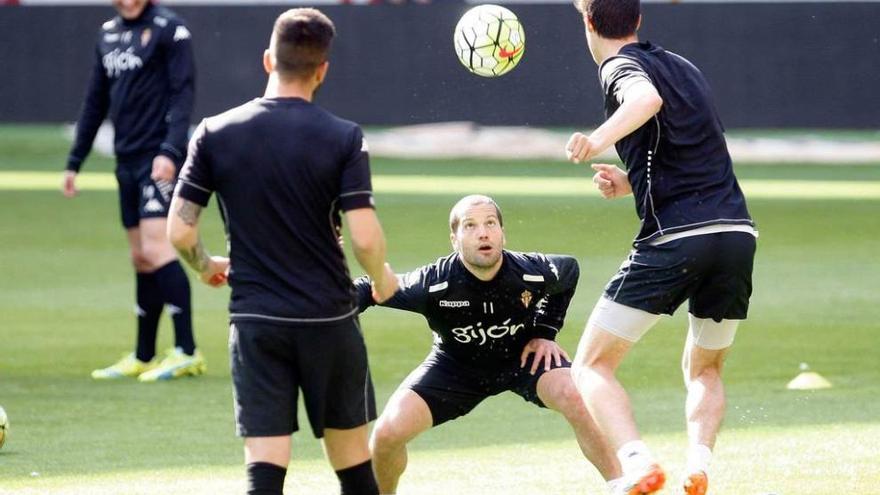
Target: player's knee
{"points": [[583, 370], [386, 436], [703, 371], [157, 254], [569, 399], [140, 262]]}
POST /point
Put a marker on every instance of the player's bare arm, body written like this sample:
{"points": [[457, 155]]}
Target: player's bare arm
{"points": [[640, 103], [183, 232], [368, 244]]}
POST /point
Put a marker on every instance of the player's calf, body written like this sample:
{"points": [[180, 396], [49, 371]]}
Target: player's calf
{"points": [[358, 480]]}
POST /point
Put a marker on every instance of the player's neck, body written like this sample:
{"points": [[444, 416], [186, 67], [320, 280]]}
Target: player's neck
{"points": [[610, 48], [484, 274], [276, 88]]}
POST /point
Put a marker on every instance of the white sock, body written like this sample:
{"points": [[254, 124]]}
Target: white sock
{"points": [[615, 486], [634, 456], [699, 457]]}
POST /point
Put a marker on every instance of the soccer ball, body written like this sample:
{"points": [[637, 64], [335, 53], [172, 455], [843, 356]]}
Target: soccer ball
{"points": [[4, 426], [489, 40]]}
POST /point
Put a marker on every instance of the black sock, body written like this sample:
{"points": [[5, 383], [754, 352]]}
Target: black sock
{"points": [[358, 480], [174, 285], [149, 308], [264, 478]]}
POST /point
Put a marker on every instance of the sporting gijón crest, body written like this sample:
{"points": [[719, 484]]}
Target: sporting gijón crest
{"points": [[526, 298]]}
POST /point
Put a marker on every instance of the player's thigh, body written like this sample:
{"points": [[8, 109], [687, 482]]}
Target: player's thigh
{"points": [[556, 390], [335, 376], [726, 284], [657, 279], [264, 379], [611, 331], [405, 416], [451, 389], [129, 194], [154, 200]]}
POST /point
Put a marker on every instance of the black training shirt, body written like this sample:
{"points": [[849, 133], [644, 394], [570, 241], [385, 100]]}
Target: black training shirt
{"points": [[486, 323], [282, 169], [678, 164], [143, 77]]}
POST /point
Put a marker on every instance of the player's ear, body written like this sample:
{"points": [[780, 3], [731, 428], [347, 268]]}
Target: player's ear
{"points": [[639, 24], [453, 240], [321, 73], [589, 22], [267, 61]]}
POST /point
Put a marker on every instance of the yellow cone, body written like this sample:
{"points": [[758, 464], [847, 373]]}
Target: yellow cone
{"points": [[808, 380]]}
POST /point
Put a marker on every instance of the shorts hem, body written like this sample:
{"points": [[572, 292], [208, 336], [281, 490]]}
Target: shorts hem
{"points": [[256, 433]]}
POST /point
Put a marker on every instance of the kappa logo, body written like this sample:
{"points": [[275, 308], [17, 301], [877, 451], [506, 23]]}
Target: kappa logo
{"points": [[118, 61], [364, 146], [165, 188], [181, 33], [153, 206], [454, 304], [146, 34]]}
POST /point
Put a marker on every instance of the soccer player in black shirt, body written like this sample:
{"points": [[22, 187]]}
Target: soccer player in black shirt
{"points": [[143, 79], [495, 314], [696, 242], [283, 170]]}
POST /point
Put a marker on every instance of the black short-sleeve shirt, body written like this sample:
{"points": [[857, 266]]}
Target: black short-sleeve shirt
{"points": [[486, 323], [282, 169], [678, 164]]}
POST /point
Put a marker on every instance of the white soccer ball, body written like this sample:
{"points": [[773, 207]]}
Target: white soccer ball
{"points": [[4, 426], [489, 40]]}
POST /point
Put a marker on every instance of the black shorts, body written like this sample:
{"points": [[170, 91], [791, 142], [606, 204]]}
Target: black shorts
{"points": [[139, 195], [713, 271], [270, 363], [452, 389]]}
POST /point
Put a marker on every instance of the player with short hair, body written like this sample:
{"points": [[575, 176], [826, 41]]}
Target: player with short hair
{"points": [[143, 78], [283, 170], [696, 242], [495, 314]]}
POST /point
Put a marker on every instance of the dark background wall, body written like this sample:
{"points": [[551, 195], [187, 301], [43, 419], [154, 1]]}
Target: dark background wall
{"points": [[771, 65]]}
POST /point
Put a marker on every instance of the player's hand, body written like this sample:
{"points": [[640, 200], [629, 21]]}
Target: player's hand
{"points": [[68, 184], [543, 349], [217, 272], [579, 148], [384, 289], [163, 169], [611, 181]]}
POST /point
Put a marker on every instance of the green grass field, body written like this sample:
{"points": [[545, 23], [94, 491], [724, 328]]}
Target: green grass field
{"points": [[66, 295]]}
